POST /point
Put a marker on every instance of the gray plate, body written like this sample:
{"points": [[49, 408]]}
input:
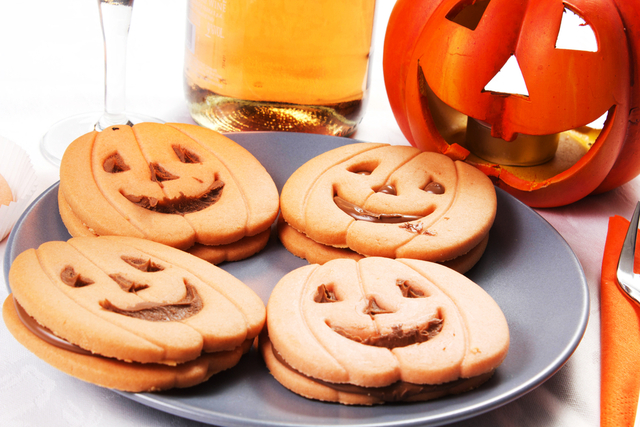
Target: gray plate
{"points": [[527, 268]]}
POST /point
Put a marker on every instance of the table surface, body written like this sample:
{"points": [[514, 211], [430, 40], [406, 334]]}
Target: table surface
{"points": [[52, 67]]}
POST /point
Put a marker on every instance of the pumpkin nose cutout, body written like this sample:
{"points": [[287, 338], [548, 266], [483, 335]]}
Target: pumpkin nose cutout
{"points": [[508, 80]]}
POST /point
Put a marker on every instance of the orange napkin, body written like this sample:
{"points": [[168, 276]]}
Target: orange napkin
{"points": [[619, 336]]}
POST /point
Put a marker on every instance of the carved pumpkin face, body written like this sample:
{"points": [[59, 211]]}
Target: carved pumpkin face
{"points": [[176, 184], [376, 321], [133, 299], [444, 66]]}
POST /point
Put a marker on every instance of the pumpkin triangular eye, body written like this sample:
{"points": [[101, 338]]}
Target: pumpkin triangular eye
{"points": [[575, 33], [468, 13], [509, 79]]}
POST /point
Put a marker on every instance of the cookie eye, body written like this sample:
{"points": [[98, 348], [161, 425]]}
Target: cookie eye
{"points": [[410, 291], [69, 277], [325, 294], [185, 156], [434, 188], [115, 164], [145, 265], [468, 13], [365, 168]]}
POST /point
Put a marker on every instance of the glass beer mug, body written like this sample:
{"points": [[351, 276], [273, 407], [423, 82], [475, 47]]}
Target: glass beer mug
{"points": [[278, 65]]}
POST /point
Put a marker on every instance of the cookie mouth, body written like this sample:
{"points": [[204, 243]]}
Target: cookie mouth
{"points": [[393, 335], [190, 305], [181, 205], [361, 214], [396, 336]]}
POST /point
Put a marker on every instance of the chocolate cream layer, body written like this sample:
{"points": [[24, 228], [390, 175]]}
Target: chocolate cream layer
{"points": [[400, 391]]}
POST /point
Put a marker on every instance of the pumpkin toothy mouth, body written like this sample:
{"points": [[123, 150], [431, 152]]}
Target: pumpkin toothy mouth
{"points": [[551, 154]]}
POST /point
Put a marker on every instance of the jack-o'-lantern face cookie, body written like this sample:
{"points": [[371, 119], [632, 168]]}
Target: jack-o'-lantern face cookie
{"points": [[176, 184], [133, 300], [390, 201], [380, 329]]}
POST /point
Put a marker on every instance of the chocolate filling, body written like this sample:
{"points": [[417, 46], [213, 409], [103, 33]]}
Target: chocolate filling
{"points": [[400, 390], [188, 306], [126, 284], [409, 291], [417, 228], [44, 333], [373, 309], [324, 295], [397, 337], [388, 189], [434, 188], [180, 205], [362, 214]]}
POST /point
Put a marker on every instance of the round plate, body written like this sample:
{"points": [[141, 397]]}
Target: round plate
{"points": [[528, 268]]}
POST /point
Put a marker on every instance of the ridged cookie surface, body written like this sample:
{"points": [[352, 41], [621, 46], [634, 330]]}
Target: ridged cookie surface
{"points": [[135, 300], [176, 184], [349, 329], [390, 201]]}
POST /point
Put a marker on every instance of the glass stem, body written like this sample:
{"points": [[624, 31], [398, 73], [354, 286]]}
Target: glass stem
{"points": [[115, 17]]}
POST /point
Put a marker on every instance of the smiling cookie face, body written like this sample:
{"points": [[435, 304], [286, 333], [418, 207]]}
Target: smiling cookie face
{"points": [[172, 183], [381, 325], [391, 201], [135, 300]]}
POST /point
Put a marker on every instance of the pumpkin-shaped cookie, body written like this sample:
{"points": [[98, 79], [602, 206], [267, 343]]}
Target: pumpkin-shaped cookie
{"points": [[176, 184], [134, 300], [380, 329], [390, 201]]}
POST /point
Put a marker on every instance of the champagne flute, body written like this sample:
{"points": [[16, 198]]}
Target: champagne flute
{"points": [[115, 18]]}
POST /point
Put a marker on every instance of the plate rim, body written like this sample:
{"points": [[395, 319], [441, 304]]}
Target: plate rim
{"points": [[444, 417]]}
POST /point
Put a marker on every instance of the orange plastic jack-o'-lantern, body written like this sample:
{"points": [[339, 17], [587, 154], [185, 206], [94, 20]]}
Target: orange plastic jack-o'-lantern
{"points": [[444, 61]]}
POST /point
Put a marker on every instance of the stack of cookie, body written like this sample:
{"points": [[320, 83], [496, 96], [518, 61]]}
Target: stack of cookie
{"points": [[368, 199], [380, 330], [134, 301], [177, 184], [129, 313]]}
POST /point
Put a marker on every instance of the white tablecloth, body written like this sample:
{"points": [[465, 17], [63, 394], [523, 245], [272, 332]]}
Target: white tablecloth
{"points": [[51, 66]]}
